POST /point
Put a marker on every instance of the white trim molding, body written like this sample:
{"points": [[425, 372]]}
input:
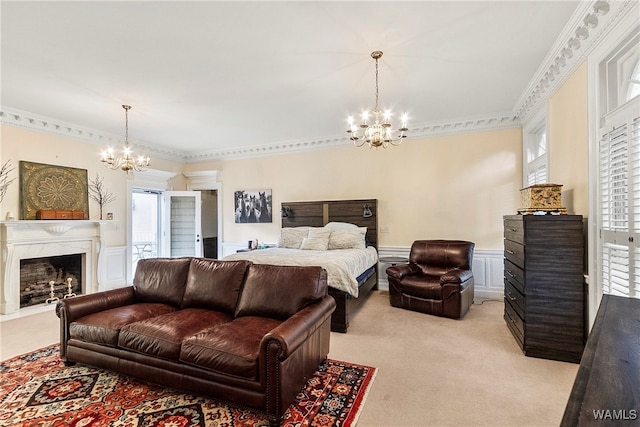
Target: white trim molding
{"points": [[488, 271]]}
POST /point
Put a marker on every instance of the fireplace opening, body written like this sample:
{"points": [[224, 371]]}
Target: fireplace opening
{"points": [[37, 273]]}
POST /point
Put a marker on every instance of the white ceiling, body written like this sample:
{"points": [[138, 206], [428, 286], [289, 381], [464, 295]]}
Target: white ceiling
{"points": [[207, 76]]}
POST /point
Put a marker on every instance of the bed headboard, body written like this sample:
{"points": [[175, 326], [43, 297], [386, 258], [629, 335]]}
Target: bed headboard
{"points": [[319, 213]]}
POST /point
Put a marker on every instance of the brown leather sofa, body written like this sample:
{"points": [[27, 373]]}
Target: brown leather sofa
{"points": [[244, 333], [438, 279]]}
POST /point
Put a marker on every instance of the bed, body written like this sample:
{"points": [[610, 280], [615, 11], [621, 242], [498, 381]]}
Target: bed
{"points": [[352, 273]]}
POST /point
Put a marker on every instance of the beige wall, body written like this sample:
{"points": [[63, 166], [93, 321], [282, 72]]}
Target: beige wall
{"points": [[21, 144], [455, 187], [569, 142]]}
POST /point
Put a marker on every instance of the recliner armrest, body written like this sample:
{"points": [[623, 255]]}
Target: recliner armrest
{"points": [[456, 276], [294, 331], [399, 271]]}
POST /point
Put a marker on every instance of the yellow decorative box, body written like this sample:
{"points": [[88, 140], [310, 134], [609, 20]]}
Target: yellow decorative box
{"points": [[542, 198]]}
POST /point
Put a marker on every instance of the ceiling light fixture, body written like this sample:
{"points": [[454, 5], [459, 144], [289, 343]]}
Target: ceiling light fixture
{"points": [[378, 133], [126, 161]]}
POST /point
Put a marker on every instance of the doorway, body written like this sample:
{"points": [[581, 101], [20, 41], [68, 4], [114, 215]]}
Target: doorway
{"points": [[145, 225]]}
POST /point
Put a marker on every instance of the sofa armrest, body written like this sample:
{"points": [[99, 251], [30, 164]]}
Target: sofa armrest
{"points": [[456, 276], [401, 270], [294, 331], [74, 308]]}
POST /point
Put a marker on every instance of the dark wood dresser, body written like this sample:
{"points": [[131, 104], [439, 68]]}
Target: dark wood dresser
{"points": [[544, 284]]}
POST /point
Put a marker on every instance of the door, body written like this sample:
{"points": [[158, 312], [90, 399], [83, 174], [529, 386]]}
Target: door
{"points": [[181, 224]]}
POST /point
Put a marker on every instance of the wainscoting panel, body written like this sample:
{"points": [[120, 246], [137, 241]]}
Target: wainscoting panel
{"points": [[112, 268], [488, 270]]}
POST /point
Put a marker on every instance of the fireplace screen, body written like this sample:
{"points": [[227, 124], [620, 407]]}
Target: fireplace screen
{"points": [[37, 273]]}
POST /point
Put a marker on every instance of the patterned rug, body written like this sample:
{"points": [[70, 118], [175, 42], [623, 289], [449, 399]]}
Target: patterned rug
{"points": [[37, 389]]}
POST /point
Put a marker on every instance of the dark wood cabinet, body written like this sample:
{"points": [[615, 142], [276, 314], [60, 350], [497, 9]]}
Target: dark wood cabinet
{"points": [[544, 284]]}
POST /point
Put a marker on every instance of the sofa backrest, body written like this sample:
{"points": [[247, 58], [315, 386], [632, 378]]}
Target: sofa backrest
{"points": [[161, 280], [436, 257], [214, 284], [278, 292]]}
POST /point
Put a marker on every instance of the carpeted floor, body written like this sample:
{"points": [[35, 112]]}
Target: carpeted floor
{"points": [[431, 371], [39, 390]]}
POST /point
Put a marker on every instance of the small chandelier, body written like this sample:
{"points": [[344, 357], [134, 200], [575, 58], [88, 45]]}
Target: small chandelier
{"points": [[378, 133], [126, 161]]}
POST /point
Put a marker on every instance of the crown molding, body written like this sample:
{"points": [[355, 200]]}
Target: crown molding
{"points": [[23, 119], [26, 120], [588, 25]]}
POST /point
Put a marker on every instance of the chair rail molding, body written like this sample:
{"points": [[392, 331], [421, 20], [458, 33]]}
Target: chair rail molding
{"points": [[488, 270]]}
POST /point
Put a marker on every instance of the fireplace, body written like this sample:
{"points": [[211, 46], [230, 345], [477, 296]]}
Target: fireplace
{"points": [[37, 275], [54, 249]]}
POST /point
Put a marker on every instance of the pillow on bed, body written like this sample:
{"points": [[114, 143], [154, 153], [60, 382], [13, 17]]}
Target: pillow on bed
{"points": [[348, 239], [334, 225], [315, 243], [292, 237], [319, 232]]}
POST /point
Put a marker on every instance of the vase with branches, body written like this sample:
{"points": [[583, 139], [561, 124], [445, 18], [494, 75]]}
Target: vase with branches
{"points": [[5, 170], [99, 193]]}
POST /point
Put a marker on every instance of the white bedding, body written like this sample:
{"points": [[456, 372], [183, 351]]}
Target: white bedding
{"points": [[343, 265]]}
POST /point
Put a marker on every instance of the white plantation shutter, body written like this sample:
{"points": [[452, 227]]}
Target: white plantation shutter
{"points": [[619, 187]]}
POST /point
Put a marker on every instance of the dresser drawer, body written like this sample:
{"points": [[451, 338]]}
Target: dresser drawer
{"points": [[514, 252], [516, 299], [514, 322], [515, 275], [514, 230]]}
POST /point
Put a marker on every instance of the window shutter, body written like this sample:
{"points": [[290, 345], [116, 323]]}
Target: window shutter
{"points": [[619, 187]]}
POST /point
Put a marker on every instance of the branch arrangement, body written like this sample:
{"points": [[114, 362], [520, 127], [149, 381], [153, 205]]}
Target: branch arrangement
{"points": [[99, 193], [4, 178]]}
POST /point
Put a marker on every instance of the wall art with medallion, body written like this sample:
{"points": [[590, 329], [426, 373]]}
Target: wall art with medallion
{"points": [[52, 187]]}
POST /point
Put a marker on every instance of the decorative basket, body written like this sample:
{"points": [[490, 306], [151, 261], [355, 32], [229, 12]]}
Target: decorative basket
{"points": [[541, 199]]}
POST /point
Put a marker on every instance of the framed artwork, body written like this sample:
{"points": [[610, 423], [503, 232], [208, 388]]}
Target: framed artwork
{"points": [[52, 187], [252, 206]]}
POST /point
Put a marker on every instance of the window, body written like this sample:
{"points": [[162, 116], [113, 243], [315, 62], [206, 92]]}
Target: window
{"points": [[619, 170], [536, 151]]}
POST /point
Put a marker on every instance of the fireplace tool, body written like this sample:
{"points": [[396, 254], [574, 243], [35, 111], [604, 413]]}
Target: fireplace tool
{"points": [[52, 296], [69, 289]]}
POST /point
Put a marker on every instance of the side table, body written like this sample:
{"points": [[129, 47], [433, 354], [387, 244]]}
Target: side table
{"points": [[393, 260]]}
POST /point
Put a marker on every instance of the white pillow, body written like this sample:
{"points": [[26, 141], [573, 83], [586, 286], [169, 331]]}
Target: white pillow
{"points": [[315, 243], [319, 232], [348, 239], [334, 225], [292, 237]]}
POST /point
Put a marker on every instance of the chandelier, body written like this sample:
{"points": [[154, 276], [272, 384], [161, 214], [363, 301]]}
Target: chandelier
{"points": [[376, 133], [127, 161]]}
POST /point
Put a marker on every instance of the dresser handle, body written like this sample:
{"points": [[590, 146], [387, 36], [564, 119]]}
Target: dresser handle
{"points": [[510, 252], [512, 298], [511, 274]]}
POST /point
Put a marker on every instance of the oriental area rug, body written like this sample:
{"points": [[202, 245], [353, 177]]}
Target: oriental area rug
{"points": [[37, 389]]}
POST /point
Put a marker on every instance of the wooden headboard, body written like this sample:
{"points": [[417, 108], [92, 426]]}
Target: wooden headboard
{"points": [[319, 213]]}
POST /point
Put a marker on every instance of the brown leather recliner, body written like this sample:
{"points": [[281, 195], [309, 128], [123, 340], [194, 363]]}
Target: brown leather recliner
{"points": [[438, 279]]}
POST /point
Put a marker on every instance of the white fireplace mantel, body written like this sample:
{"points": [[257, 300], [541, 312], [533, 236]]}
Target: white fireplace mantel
{"points": [[25, 239]]}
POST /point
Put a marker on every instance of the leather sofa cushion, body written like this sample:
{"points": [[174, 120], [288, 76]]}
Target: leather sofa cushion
{"points": [[162, 335], [161, 280], [104, 327], [427, 287], [214, 284], [278, 291], [232, 347]]}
